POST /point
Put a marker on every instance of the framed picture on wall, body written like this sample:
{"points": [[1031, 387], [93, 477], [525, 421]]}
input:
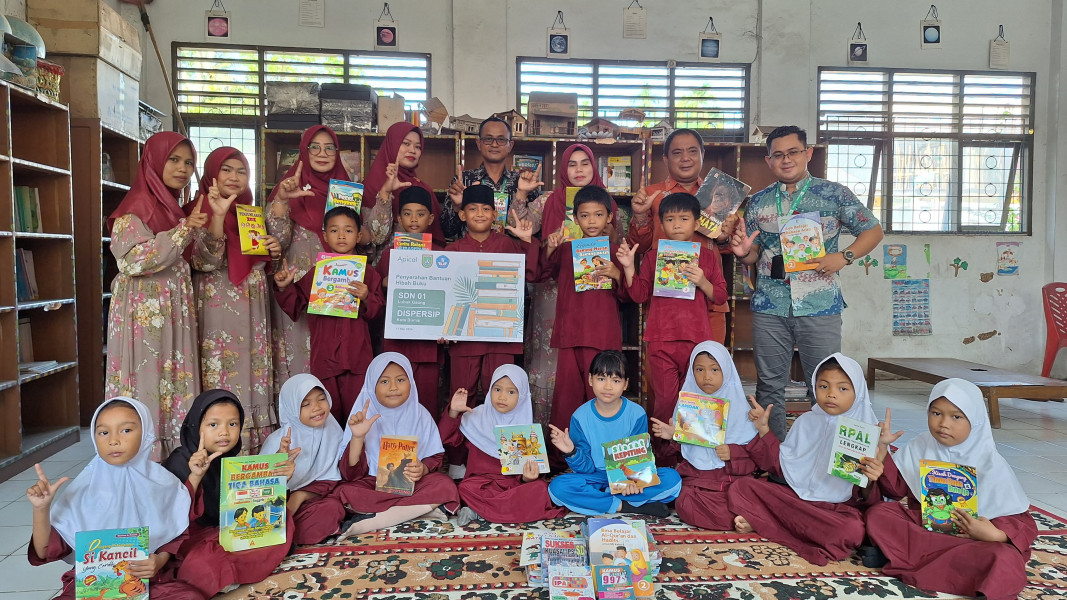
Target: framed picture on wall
{"points": [[857, 52], [385, 35], [558, 43], [708, 45], [930, 34], [217, 25]]}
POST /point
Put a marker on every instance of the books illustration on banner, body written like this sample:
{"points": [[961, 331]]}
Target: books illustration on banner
{"points": [[250, 226], [102, 563], [588, 254], [344, 193], [700, 419], [518, 444], [630, 459], [719, 196], [946, 487], [395, 453], [669, 280], [852, 441], [412, 241], [801, 236], [329, 288], [252, 508]]}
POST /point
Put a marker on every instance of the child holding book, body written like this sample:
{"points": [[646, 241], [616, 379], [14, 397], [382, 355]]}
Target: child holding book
{"points": [[340, 346], [309, 432], [609, 416], [389, 406], [213, 430], [708, 472], [816, 514], [989, 557], [675, 325], [578, 333], [416, 216], [488, 494], [120, 487]]}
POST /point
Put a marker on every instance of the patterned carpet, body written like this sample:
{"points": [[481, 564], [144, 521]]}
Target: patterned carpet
{"points": [[432, 560]]}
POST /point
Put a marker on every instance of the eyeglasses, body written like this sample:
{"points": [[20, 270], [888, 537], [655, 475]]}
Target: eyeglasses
{"points": [[328, 149], [793, 154], [495, 141]]}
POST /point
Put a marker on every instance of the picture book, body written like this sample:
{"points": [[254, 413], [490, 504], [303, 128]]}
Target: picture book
{"points": [[945, 487], [626, 541], [500, 202], [719, 196], [521, 443], [630, 459], [286, 159], [102, 563], [252, 509], [616, 171], [671, 258], [574, 231], [344, 193], [571, 583], [588, 254], [531, 547], [853, 440], [395, 453], [250, 226], [612, 582], [412, 241], [557, 551], [801, 236], [329, 289], [700, 419], [527, 162]]}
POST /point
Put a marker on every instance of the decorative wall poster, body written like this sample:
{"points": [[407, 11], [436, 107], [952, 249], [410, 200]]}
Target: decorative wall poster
{"points": [[999, 51], [634, 22], [857, 47], [911, 307], [312, 13], [1008, 258], [468, 296], [895, 264]]}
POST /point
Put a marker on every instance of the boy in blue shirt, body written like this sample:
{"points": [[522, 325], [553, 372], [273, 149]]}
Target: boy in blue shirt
{"points": [[607, 417]]}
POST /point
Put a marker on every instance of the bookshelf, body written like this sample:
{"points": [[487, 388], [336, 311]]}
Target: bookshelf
{"points": [[38, 410], [104, 164]]}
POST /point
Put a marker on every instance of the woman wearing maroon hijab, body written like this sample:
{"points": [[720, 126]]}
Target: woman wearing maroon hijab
{"points": [[151, 334], [297, 206], [233, 305]]}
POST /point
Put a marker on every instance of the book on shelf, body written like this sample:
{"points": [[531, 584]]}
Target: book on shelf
{"points": [[252, 502], [570, 583], [329, 288], [344, 193], [25, 276], [527, 162], [801, 237], [700, 419], [518, 444], [250, 227], [102, 563], [587, 255], [719, 196], [852, 441], [28, 209], [287, 158], [25, 341], [38, 367], [669, 280], [395, 453], [946, 487], [412, 241], [617, 173], [630, 459]]}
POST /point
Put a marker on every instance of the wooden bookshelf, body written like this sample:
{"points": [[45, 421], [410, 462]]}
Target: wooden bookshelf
{"points": [[38, 411]]}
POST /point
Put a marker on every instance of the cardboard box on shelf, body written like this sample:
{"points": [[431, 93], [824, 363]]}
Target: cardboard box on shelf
{"points": [[390, 110], [552, 113], [87, 29], [94, 88]]}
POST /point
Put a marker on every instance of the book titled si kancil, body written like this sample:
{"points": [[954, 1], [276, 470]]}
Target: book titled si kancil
{"points": [[852, 441], [250, 226], [946, 487], [329, 288], [670, 280], [395, 453], [344, 193], [630, 459], [102, 563], [700, 419], [587, 255], [252, 508]]}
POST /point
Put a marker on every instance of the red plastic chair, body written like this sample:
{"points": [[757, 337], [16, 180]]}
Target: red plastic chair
{"points": [[1055, 295]]}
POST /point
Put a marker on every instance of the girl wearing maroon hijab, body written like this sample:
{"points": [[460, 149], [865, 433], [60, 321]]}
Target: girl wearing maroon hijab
{"points": [[295, 211], [233, 305], [151, 335]]}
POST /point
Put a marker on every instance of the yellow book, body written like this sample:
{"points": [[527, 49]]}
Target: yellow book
{"points": [[945, 487], [251, 225]]}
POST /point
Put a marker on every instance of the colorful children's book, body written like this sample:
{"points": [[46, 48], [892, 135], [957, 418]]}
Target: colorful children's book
{"points": [[329, 290], [412, 241], [571, 583], [853, 440], [344, 193], [574, 231], [102, 563], [626, 541], [612, 582], [616, 172], [588, 254], [250, 226], [630, 459], [395, 453], [531, 547], [252, 509], [500, 202], [801, 236], [558, 551], [719, 196], [700, 419], [521, 443], [671, 258], [527, 162], [945, 487]]}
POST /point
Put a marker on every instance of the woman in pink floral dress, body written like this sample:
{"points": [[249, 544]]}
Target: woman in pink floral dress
{"points": [[233, 305], [151, 335]]}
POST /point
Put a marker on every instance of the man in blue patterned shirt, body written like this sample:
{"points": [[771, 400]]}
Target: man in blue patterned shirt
{"points": [[801, 308]]}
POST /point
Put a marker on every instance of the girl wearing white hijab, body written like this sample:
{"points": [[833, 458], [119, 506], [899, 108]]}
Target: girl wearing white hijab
{"points": [[816, 514], [990, 558], [487, 493], [306, 425], [120, 487], [388, 405], [708, 472]]}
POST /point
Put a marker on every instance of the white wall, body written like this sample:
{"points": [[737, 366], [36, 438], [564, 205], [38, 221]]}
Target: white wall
{"points": [[474, 44]]}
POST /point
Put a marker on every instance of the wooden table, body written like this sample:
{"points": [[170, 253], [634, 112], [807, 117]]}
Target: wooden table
{"points": [[995, 383]]}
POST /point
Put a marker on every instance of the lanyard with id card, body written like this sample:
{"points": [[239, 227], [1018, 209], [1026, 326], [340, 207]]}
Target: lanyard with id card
{"points": [[786, 261]]}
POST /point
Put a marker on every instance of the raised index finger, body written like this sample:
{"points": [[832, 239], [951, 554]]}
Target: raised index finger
{"points": [[299, 167], [40, 472], [201, 442]]}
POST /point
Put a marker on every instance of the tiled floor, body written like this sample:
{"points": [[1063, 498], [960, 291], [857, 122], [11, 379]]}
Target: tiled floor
{"points": [[1033, 439]]}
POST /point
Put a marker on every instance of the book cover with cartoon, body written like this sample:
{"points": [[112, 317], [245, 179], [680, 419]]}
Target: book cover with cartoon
{"points": [[700, 419], [571, 583], [252, 502], [250, 226], [852, 441], [395, 453], [719, 196], [518, 444], [344, 193], [329, 288], [102, 563], [630, 459], [587, 255], [669, 279], [946, 487], [801, 237], [574, 231], [623, 542], [412, 241]]}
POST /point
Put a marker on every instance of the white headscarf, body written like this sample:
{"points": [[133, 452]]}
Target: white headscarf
{"points": [[477, 425], [739, 430], [319, 454], [999, 492], [410, 418], [805, 453], [135, 494]]}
